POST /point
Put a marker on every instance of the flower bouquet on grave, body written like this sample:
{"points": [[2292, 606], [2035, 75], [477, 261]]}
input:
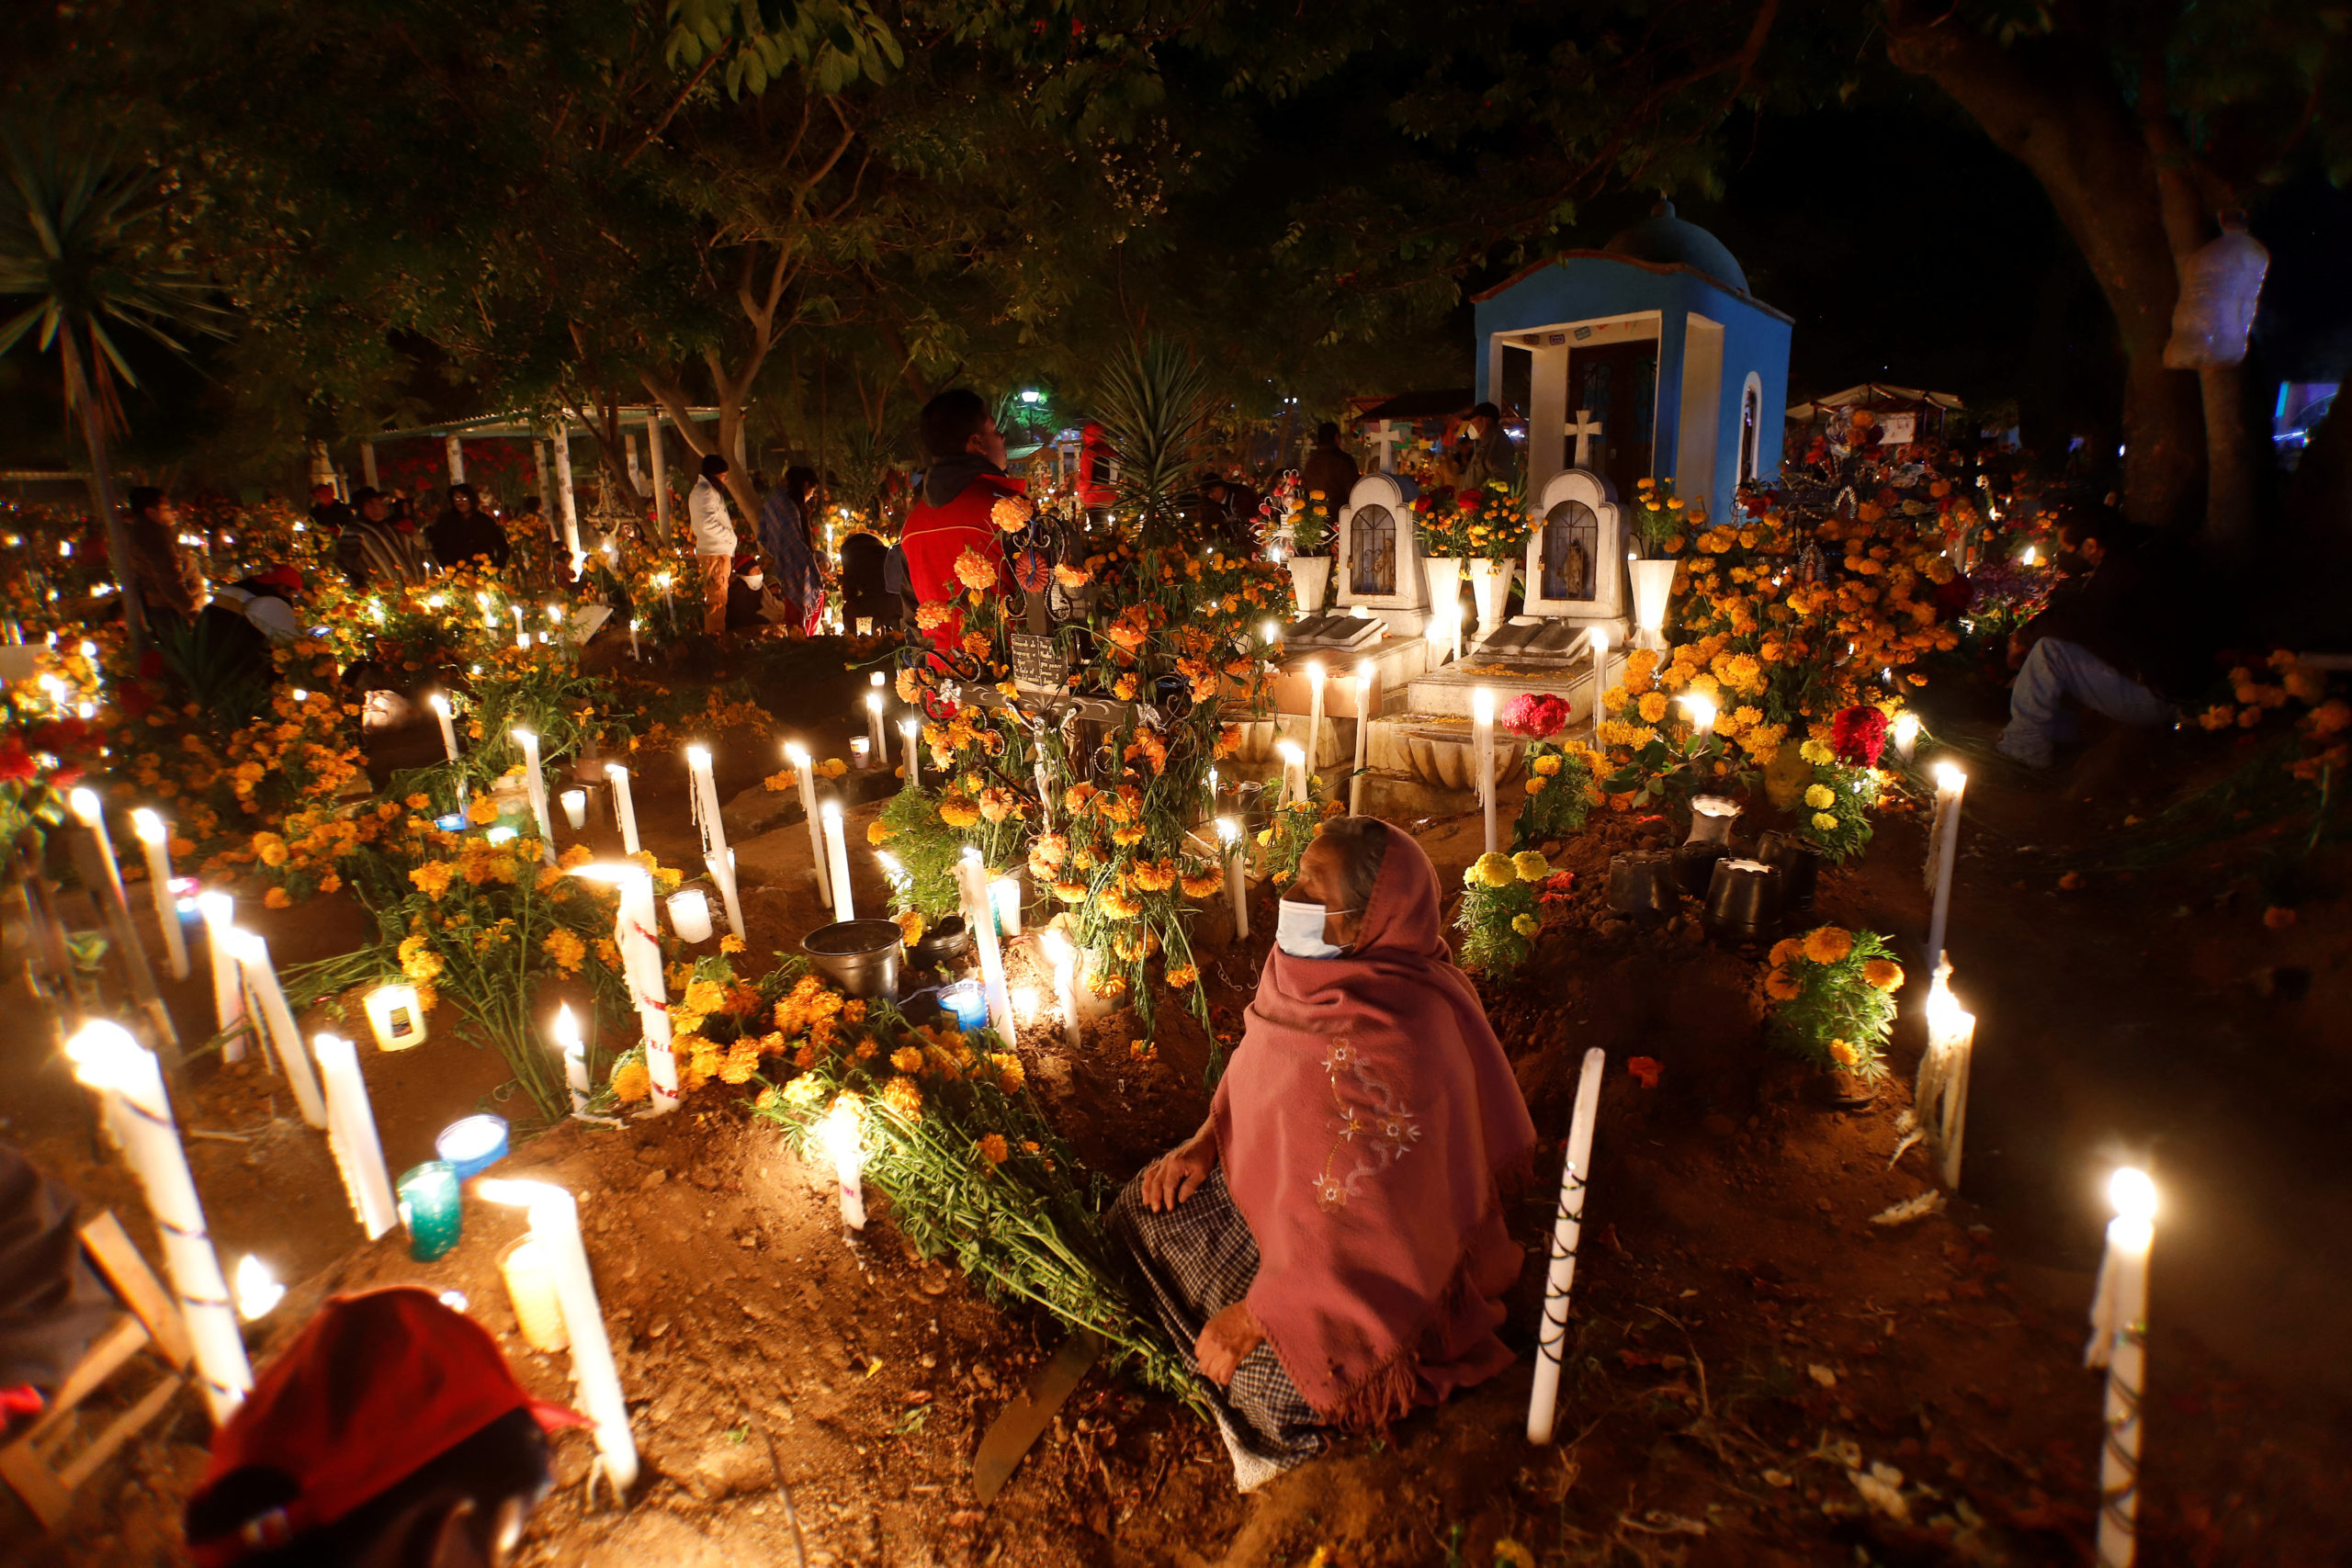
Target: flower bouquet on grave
{"points": [[1831, 994], [1561, 791], [1498, 920], [1441, 527], [1495, 521]]}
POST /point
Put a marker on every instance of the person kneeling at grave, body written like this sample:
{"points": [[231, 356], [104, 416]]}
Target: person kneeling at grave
{"points": [[390, 1434], [1329, 1247]]}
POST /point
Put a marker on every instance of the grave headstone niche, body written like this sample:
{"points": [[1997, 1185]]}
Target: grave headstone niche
{"points": [[1576, 573], [1379, 561]]}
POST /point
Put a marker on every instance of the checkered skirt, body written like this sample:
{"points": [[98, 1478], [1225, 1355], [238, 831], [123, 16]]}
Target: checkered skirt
{"points": [[1199, 1259]]}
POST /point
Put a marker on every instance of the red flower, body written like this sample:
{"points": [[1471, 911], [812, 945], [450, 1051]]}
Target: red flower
{"points": [[1535, 715], [1467, 499], [1647, 1071], [1858, 735], [151, 665], [17, 764]]}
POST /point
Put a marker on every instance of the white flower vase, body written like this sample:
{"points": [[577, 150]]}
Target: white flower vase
{"points": [[1445, 595], [1491, 590], [1309, 575], [1653, 587]]}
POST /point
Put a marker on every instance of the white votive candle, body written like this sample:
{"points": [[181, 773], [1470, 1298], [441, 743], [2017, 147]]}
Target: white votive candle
{"points": [[575, 808], [690, 915]]}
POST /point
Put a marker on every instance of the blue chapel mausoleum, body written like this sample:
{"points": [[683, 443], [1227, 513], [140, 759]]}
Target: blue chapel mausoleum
{"points": [[1647, 358]]}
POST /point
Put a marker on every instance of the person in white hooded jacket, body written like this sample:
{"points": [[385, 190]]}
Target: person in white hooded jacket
{"points": [[714, 535]]}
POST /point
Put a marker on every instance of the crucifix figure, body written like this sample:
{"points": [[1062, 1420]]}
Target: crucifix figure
{"points": [[1386, 435], [1586, 430]]}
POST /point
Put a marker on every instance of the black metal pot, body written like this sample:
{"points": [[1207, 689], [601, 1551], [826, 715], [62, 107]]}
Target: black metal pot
{"points": [[1642, 884], [1694, 864], [1799, 864], [942, 942], [1744, 901]]}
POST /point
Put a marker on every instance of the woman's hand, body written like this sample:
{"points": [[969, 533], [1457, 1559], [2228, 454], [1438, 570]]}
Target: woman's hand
{"points": [[1178, 1174], [1227, 1337]]}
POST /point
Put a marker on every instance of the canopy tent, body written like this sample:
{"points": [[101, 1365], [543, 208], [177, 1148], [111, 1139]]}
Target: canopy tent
{"points": [[1874, 396]]}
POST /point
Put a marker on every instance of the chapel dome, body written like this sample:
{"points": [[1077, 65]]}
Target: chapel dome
{"points": [[1664, 238]]}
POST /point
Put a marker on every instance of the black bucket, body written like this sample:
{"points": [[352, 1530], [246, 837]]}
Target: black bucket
{"points": [[860, 956]]}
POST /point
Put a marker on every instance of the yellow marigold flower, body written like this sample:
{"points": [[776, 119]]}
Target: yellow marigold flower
{"points": [[1784, 951], [907, 1059], [1816, 753], [1012, 513], [706, 997], [1510, 1554], [902, 1095], [1883, 973], [1183, 976], [958, 813], [433, 877], [566, 948], [1825, 822], [1828, 944], [1494, 869], [974, 570], [1821, 798], [1525, 925], [277, 898], [910, 926], [631, 1080], [1780, 984], [1546, 765], [1070, 892], [1652, 707], [994, 1149], [1842, 1053], [1530, 865], [1205, 884], [1536, 783], [483, 812]]}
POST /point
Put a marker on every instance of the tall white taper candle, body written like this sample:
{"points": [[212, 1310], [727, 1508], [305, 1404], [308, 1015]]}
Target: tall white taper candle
{"points": [[1314, 712], [837, 862], [1482, 739], [715, 853], [1951, 785], [536, 783], [1567, 1228], [91, 812], [555, 1225], [980, 918], [1294, 770], [155, 838], [635, 933], [220, 912], [805, 771], [843, 1134], [575, 1058], [1237, 879], [131, 1080], [285, 1038], [1598, 637], [2119, 1343], [880, 748], [624, 806], [1363, 731], [1940, 1098], [912, 730], [351, 1132]]}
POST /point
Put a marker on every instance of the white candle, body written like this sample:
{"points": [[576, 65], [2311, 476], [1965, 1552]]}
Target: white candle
{"points": [[555, 1225], [130, 1082], [805, 771], [156, 839], [1482, 738], [624, 806], [880, 748], [575, 1057], [690, 915], [1294, 770], [1004, 899], [1598, 637], [252, 957], [2119, 1343], [575, 806], [1314, 712], [220, 912], [537, 784], [640, 951], [1906, 735], [1236, 887], [715, 853], [91, 812], [1363, 731], [1702, 709], [972, 879], [439, 703], [837, 861], [1567, 1228], [1940, 1098], [351, 1133], [911, 730], [394, 1016], [1064, 960], [843, 1134], [861, 753], [530, 1289], [1950, 785]]}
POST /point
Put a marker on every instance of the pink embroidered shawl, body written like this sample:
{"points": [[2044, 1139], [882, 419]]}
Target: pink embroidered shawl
{"points": [[1367, 1125]]}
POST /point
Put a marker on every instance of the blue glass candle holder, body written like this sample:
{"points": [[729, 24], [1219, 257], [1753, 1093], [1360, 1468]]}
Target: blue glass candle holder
{"points": [[431, 1208], [472, 1145], [966, 1002]]}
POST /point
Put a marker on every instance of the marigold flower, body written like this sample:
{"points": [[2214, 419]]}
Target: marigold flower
{"points": [[1530, 865], [277, 898], [566, 948], [994, 1149], [1526, 925], [1842, 1053], [1784, 951], [1184, 976], [1828, 944], [1652, 707], [902, 1095], [907, 1059], [1821, 798], [1825, 822], [1781, 985], [1883, 973], [483, 812], [631, 1080], [1494, 869]]}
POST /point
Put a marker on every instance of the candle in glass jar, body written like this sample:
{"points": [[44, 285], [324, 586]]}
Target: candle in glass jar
{"points": [[575, 808], [431, 1206], [861, 753], [690, 915]]}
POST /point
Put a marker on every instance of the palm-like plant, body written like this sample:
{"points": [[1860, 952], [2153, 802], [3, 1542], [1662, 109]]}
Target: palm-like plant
{"points": [[1154, 403], [77, 234]]}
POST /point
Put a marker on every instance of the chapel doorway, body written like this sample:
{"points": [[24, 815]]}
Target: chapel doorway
{"points": [[1619, 385]]}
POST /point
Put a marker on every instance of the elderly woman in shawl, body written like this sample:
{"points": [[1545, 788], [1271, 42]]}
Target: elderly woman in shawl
{"points": [[1329, 1247]]}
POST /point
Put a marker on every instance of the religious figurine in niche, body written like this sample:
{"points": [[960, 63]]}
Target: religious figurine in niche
{"points": [[1570, 534], [1375, 562]]}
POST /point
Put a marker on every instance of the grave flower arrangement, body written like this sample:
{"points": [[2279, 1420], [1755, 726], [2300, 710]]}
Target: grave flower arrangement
{"points": [[1561, 791], [1830, 997], [1488, 522], [1499, 920], [1660, 520]]}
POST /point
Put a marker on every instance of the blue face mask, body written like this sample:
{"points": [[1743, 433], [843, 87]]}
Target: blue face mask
{"points": [[1299, 929]]}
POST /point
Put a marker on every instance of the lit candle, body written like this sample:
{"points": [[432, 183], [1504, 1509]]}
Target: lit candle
{"points": [[432, 1207], [861, 753], [258, 1292], [1005, 898], [91, 813], [1940, 1098], [1598, 637], [968, 1002], [837, 861], [1702, 709], [575, 1054], [351, 1133], [130, 1082], [530, 1287], [472, 1144], [1236, 887], [1482, 738], [537, 784], [575, 806], [972, 880], [910, 730], [156, 839], [1943, 851], [843, 1134], [439, 703], [880, 748], [1064, 960], [715, 853], [1906, 735], [2119, 1343], [555, 1225], [1314, 712], [690, 915], [624, 806], [640, 951], [805, 771], [220, 912], [1294, 770], [1363, 731], [252, 958], [1567, 1228]]}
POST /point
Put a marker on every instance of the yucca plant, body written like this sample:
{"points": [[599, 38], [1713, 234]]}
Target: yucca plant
{"points": [[1153, 404], [77, 232]]}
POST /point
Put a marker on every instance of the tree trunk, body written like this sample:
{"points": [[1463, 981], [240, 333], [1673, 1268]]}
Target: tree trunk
{"points": [[672, 396], [2054, 106], [78, 392]]}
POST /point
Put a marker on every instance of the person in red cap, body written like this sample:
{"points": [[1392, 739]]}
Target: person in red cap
{"points": [[390, 1434]]}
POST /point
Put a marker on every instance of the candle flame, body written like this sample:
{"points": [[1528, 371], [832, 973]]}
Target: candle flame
{"points": [[1292, 752], [1025, 1003], [217, 910], [907, 728], [697, 756], [1482, 704], [1702, 709], [258, 1292], [796, 753], [1056, 945], [1950, 780], [148, 826], [439, 702], [874, 702], [1229, 829], [842, 1132], [85, 806], [521, 1195], [2133, 1195], [524, 736], [102, 1053], [1906, 729], [615, 770], [830, 812], [567, 1031]]}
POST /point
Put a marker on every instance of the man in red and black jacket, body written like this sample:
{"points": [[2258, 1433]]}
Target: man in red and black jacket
{"points": [[965, 480]]}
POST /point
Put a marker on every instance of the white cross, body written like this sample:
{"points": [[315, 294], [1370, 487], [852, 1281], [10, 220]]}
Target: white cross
{"points": [[1385, 436], [1586, 430]]}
